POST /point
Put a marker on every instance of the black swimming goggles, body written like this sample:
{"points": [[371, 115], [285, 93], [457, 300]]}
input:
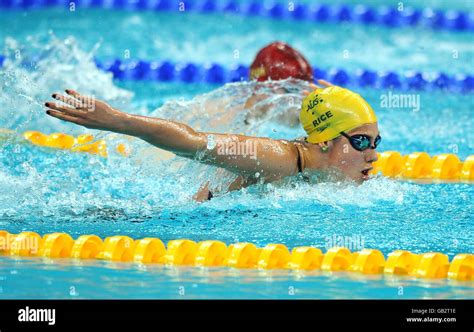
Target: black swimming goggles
{"points": [[361, 142]]}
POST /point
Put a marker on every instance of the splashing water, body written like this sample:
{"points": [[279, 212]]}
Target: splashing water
{"points": [[57, 190], [46, 65], [32, 72]]}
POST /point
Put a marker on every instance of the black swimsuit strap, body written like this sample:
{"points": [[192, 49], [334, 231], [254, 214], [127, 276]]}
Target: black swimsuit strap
{"points": [[299, 160]]}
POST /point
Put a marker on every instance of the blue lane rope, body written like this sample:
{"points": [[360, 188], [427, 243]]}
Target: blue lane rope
{"points": [[166, 71], [386, 16], [219, 74]]}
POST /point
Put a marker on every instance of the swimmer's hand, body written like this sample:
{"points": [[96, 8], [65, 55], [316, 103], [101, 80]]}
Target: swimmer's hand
{"points": [[85, 111], [322, 83]]}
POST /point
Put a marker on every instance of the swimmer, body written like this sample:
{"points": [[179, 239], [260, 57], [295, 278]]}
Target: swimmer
{"points": [[274, 62], [341, 128], [277, 71], [279, 61]]}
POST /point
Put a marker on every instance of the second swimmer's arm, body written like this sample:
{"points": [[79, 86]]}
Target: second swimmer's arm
{"points": [[248, 156]]}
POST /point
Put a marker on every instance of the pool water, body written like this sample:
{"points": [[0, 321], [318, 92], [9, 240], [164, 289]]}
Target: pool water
{"points": [[105, 280], [47, 191]]}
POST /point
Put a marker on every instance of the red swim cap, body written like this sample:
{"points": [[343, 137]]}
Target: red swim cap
{"points": [[279, 61]]}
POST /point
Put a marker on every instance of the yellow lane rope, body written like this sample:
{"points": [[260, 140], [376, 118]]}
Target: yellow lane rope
{"points": [[432, 265]]}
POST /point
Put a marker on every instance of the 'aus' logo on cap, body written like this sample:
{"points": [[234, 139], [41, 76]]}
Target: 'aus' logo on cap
{"points": [[313, 103]]}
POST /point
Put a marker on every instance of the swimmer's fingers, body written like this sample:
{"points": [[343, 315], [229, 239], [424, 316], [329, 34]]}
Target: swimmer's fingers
{"points": [[68, 100], [76, 94], [65, 117], [325, 83], [88, 102], [64, 109]]}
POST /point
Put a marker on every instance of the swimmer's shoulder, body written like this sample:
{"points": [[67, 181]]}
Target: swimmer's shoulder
{"points": [[298, 151]]}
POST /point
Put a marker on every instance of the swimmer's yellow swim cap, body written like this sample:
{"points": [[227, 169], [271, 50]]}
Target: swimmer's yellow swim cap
{"points": [[326, 112]]}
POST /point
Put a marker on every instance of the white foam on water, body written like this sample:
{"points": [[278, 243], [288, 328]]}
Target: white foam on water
{"points": [[32, 72], [339, 195]]}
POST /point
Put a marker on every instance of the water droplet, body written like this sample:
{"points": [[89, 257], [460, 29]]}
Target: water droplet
{"points": [[211, 143]]}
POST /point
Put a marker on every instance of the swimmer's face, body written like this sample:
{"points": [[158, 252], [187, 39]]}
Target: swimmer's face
{"points": [[353, 164]]}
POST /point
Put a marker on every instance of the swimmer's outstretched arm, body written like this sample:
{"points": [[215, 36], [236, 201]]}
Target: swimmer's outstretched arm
{"points": [[262, 158]]}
